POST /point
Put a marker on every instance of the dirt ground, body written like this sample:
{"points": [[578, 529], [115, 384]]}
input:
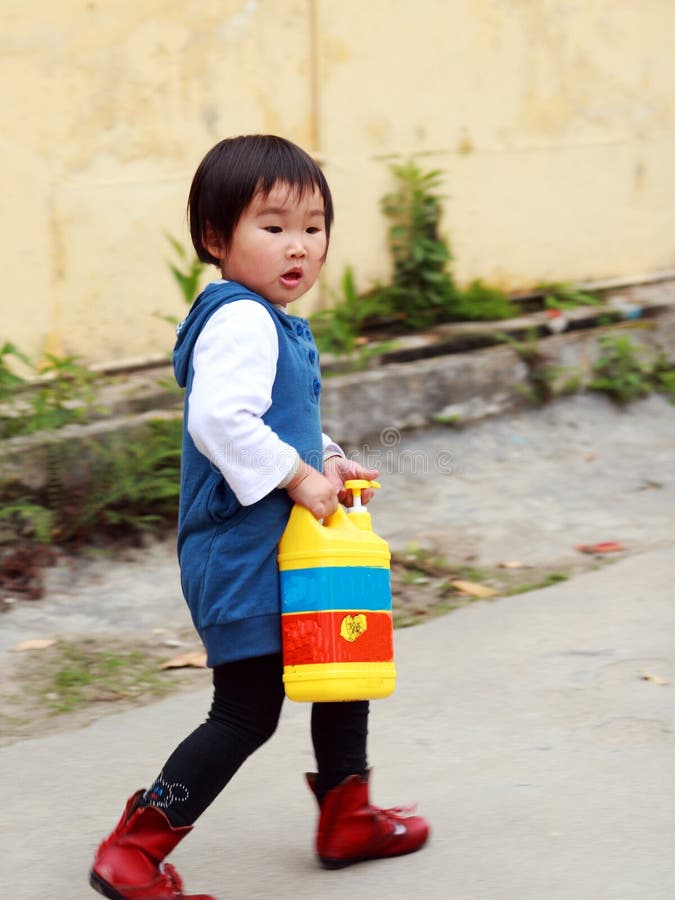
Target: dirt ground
{"points": [[502, 506], [70, 681]]}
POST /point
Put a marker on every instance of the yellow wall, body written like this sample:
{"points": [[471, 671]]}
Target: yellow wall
{"points": [[553, 121]]}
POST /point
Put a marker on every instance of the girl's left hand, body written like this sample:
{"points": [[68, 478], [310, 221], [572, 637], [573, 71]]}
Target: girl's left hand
{"points": [[338, 470]]}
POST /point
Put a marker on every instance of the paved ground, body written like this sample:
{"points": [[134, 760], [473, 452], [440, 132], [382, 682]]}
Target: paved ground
{"points": [[536, 731]]}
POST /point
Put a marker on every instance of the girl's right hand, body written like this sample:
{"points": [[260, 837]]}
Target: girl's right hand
{"points": [[314, 491]]}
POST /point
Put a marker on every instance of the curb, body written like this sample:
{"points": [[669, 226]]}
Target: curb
{"points": [[378, 403]]}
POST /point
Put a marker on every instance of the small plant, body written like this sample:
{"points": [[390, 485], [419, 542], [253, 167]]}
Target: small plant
{"points": [[76, 675], [110, 490], [68, 396], [422, 288], [9, 380], [545, 380], [567, 296], [10, 385], [336, 329], [452, 420], [132, 486], [24, 519], [422, 291], [625, 372], [663, 377], [187, 271], [555, 578], [62, 392], [482, 302], [622, 371]]}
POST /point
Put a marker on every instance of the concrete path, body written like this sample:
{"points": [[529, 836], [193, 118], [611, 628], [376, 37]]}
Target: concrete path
{"points": [[537, 732]]}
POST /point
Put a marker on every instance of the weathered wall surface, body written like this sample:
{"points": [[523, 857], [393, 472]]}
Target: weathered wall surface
{"points": [[553, 122]]}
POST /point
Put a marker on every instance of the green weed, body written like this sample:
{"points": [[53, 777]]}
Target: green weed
{"points": [[99, 489], [187, 270], [454, 420], [73, 675], [567, 296], [482, 302], [132, 485], [547, 581], [422, 287], [336, 329], [9, 379], [663, 377], [61, 392], [422, 290], [626, 371], [545, 380], [22, 519]]}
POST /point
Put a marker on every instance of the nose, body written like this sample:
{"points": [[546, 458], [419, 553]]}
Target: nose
{"points": [[296, 247]]}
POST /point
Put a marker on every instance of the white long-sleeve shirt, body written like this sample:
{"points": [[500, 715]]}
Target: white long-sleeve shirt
{"points": [[235, 361]]}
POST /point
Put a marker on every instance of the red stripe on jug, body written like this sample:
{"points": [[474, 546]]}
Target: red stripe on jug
{"points": [[333, 637]]}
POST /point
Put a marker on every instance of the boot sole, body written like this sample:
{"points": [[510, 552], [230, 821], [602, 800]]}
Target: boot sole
{"points": [[103, 887], [329, 863], [337, 863]]}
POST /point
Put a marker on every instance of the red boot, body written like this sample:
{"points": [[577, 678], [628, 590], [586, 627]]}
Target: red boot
{"points": [[351, 830], [127, 863]]}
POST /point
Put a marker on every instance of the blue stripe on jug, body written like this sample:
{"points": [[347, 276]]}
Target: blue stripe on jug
{"points": [[335, 587]]}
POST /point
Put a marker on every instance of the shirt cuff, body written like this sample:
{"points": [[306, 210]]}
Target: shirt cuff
{"points": [[290, 475], [330, 448]]}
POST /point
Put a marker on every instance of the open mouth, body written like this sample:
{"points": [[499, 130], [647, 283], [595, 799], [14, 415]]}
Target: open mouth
{"points": [[292, 277]]}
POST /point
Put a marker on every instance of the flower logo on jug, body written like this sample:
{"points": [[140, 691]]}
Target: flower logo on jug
{"points": [[352, 627]]}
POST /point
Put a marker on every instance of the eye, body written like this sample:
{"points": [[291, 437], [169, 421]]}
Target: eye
{"points": [[273, 229], [313, 230]]}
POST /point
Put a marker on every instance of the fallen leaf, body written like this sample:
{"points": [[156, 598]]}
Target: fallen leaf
{"points": [[108, 696], [474, 589], [646, 676], [34, 644], [602, 547], [196, 659], [513, 564], [650, 484]]}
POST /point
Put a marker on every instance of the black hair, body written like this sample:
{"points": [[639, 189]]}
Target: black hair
{"points": [[237, 169]]}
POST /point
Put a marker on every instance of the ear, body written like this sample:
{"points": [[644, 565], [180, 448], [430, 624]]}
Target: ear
{"points": [[212, 242]]}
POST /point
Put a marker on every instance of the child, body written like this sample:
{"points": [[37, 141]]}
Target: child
{"points": [[260, 209]]}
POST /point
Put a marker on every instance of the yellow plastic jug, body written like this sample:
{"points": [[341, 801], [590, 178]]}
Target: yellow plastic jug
{"points": [[336, 611]]}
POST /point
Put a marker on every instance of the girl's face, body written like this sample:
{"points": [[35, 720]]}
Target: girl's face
{"points": [[279, 244]]}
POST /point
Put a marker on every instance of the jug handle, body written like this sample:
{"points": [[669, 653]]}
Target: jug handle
{"points": [[338, 518], [335, 520]]}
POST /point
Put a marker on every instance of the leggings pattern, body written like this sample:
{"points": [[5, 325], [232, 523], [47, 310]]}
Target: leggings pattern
{"points": [[247, 699]]}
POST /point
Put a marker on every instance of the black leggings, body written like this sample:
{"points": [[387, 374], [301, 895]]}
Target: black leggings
{"points": [[247, 701]]}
